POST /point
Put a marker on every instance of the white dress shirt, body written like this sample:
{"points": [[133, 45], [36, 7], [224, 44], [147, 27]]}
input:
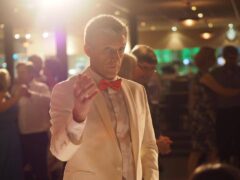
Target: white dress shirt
{"points": [[34, 110], [120, 121]]}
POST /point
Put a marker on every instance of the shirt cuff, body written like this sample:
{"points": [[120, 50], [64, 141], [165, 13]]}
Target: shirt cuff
{"points": [[75, 131]]}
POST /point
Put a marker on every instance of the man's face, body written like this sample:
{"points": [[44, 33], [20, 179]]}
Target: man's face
{"points": [[143, 72], [232, 60], [23, 75], [106, 54]]}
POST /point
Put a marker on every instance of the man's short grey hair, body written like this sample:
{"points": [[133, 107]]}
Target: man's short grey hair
{"points": [[27, 64], [145, 54], [102, 23]]}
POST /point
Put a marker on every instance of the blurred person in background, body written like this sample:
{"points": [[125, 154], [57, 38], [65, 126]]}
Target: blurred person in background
{"points": [[51, 72], [145, 74], [202, 108], [34, 121], [228, 108], [10, 147], [37, 67], [215, 171], [127, 70]]}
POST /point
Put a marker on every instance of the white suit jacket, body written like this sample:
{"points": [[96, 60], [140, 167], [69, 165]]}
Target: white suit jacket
{"points": [[97, 156]]}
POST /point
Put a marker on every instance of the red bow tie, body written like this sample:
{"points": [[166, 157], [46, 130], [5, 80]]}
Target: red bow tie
{"points": [[104, 84]]}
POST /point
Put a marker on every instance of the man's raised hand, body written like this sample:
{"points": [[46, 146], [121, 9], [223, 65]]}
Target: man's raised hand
{"points": [[85, 90]]}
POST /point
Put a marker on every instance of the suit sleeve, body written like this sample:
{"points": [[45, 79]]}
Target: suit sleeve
{"points": [[65, 132], [149, 150]]}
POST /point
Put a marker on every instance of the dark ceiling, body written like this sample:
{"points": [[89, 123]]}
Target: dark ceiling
{"points": [[161, 14], [166, 13]]}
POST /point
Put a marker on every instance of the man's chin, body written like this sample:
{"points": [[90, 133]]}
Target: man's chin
{"points": [[110, 76]]}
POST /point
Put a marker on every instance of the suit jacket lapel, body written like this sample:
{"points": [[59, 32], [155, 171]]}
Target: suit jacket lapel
{"points": [[132, 118], [101, 107], [103, 111]]}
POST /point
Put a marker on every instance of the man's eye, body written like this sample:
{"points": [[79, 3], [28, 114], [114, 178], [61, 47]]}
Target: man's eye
{"points": [[108, 50], [121, 50]]}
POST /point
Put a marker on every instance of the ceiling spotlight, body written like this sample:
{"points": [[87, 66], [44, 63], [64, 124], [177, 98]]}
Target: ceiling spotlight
{"points": [[190, 18], [1, 26], [17, 36], [193, 8], [45, 35], [230, 25], [231, 33], [186, 62], [210, 25], [189, 22], [26, 44], [174, 28], [200, 15], [153, 28], [206, 35], [221, 61], [143, 24], [28, 36]]}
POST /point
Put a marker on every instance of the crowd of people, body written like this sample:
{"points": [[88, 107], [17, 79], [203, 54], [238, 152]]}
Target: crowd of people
{"points": [[25, 121], [104, 123]]}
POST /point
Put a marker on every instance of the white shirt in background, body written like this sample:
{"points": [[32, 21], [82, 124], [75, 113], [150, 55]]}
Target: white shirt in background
{"points": [[34, 110]]}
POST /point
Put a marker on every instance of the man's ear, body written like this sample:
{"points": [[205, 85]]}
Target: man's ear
{"points": [[87, 50]]}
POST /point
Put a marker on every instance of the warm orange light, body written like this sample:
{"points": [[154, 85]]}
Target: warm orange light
{"points": [[200, 15], [210, 25], [174, 28], [153, 28], [206, 35], [143, 24], [17, 36], [28, 36], [189, 22], [193, 8], [26, 44]]}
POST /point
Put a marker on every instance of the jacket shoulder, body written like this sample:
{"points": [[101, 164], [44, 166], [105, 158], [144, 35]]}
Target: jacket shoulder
{"points": [[132, 84], [66, 85]]}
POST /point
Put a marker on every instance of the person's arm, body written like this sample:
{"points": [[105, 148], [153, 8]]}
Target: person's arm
{"points": [[149, 150], [42, 93], [68, 113], [209, 81], [62, 125], [5, 104]]}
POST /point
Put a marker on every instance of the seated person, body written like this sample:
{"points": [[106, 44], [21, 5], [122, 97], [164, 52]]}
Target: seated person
{"points": [[216, 171]]}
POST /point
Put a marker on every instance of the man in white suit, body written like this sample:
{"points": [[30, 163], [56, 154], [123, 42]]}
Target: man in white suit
{"points": [[101, 124]]}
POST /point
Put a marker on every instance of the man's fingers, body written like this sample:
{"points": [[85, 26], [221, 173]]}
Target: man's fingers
{"points": [[82, 85], [88, 88], [78, 91], [91, 95], [83, 80], [86, 94]]}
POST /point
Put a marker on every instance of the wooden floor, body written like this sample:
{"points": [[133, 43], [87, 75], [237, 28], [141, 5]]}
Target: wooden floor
{"points": [[174, 165], [174, 168]]}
